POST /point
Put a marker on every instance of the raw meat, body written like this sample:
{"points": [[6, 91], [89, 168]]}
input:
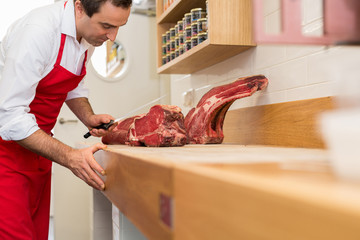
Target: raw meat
{"points": [[204, 123], [162, 126]]}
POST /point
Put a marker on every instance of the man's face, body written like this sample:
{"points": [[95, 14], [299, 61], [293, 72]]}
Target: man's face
{"points": [[101, 26]]}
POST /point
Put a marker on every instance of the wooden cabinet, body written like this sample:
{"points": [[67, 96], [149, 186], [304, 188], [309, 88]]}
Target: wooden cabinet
{"points": [[229, 33]]}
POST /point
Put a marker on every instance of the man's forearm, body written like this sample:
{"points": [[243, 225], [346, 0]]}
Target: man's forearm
{"points": [[82, 109], [47, 146]]}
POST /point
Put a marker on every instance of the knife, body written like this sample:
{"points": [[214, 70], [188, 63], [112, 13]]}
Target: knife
{"points": [[104, 126]]}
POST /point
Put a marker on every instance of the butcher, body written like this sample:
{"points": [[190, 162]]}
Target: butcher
{"points": [[42, 65]]}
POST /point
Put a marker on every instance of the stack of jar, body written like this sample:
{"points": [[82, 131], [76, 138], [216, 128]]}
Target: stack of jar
{"points": [[187, 33]]}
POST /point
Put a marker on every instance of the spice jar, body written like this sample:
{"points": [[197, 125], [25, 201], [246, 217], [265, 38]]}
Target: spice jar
{"points": [[172, 55], [177, 53], [194, 29], [188, 33], [168, 47], [194, 42], [180, 27], [187, 45], [187, 20], [164, 50], [172, 34], [167, 36], [176, 30], [201, 37], [164, 60], [181, 49], [177, 42], [181, 39], [168, 59], [163, 37], [172, 45], [196, 14], [202, 25]]}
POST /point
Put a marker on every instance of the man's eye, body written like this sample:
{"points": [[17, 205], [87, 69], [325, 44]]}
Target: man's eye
{"points": [[106, 26]]}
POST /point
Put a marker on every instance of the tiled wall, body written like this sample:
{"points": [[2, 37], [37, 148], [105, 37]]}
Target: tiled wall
{"points": [[294, 72]]}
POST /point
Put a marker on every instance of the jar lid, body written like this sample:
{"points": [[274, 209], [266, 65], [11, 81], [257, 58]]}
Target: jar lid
{"points": [[202, 19], [168, 31], [203, 33], [194, 23], [196, 9], [180, 22], [194, 38], [172, 29], [188, 41], [187, 14], [189, 27], [172, 41]]}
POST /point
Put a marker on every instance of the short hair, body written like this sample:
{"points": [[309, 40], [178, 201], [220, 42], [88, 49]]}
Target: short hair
{"points": [[92, 6]]}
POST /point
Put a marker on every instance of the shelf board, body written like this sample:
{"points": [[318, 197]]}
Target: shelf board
{"points": [[177, 9], [202, 56]]}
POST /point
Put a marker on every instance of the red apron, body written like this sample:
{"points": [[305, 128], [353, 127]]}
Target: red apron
{"points": [[25, 177]]}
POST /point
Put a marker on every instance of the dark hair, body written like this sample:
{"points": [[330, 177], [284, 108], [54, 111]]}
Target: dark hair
{"points": [[93, 6]]}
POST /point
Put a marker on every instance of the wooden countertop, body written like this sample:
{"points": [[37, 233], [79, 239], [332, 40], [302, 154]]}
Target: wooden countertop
{"points": [[230, 191]]}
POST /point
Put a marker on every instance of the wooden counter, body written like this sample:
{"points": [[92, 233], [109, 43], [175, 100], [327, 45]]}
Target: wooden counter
{"points": [[231, 192]]}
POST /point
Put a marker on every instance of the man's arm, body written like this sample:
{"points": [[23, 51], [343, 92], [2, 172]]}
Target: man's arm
{"points": [[83, 110], [80, 161]]}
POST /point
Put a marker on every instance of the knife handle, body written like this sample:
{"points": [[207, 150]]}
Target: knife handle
{"points": [[104, 126]]}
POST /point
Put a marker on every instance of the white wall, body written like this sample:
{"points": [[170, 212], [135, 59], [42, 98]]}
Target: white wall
{"points": [[294, 72]]}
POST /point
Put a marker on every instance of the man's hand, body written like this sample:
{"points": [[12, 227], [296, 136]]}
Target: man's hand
{"points": [[80, 161], [96, 120]]}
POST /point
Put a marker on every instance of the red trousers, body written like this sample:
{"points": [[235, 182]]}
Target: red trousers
{"points": [[25, 183]]}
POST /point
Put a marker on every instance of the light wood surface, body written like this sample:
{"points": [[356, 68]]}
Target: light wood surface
{"points": [[229, 191], [230, 33], [194, 60], [292, 124]]}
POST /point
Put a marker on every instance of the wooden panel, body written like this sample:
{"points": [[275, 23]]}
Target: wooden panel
{"points": [[292, 124], [215, 204], [200, 57], [177, 9], [135, 186], [230, 22]]}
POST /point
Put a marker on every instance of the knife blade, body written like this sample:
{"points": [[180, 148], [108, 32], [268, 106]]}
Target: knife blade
{"points": [[104, 126]]}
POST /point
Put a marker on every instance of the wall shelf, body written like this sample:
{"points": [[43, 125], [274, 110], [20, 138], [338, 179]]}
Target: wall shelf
{"points": [[229, 33]]}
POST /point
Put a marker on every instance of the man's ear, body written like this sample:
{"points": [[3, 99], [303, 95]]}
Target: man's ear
{"points": [[79, 9]]}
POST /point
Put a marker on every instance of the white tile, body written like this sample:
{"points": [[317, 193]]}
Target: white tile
{"points": [[288, 75], [218, 72], [315, 28], [116, 232], [270, 6], [115, 215], [334, 64], [311, 10], [241, 65], [273, 23], [297, 51], [269, 55]]}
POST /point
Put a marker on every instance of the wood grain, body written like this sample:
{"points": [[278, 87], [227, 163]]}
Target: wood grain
{"points": [[240, 204], [134, 186], [291, 124]]}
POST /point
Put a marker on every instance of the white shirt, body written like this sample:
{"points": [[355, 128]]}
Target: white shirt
{"points": [[28, 53]]}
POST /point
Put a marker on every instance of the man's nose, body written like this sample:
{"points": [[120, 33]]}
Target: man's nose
{"points": [[112, 34]]}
